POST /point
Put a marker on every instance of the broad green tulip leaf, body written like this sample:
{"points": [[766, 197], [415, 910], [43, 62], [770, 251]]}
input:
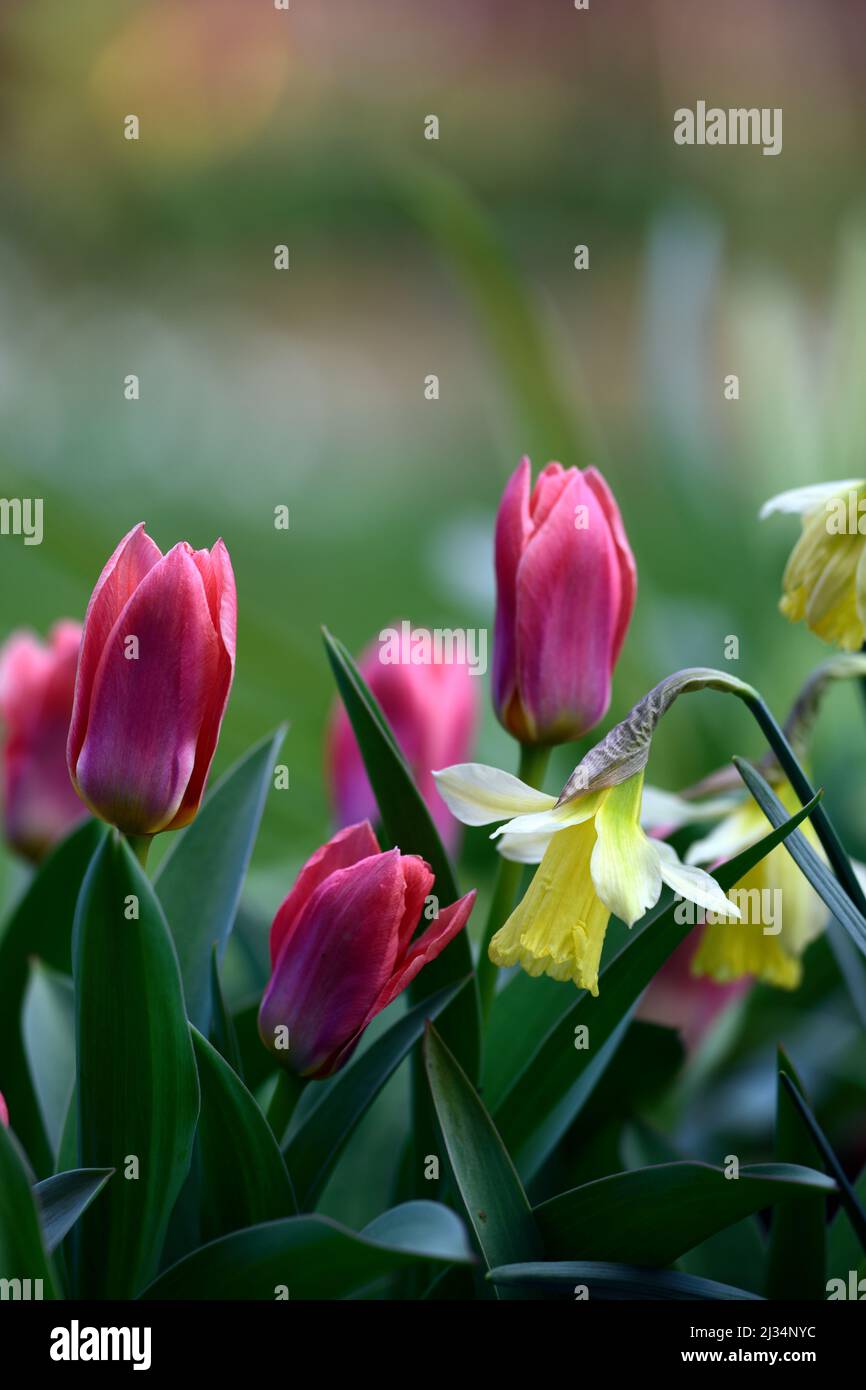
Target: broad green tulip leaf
{"points": [[536, 389], [223, 1033], [23, 1255], [848, 1195], [199, 881], [243, 1177], [547, 1094], [65, 1197], [40, 925], [844, 1251], [408, 823], [313, 1257], [138, 1098], [492, 1195], [797, 1255], [822, 878], [48, 1025], [651, 1216], [617, 1282], [314, 1147]]}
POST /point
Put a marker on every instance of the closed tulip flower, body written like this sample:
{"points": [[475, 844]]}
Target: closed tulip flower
{"points": [[37, 681], [154, 674], [342, 948], [566, 587], [433, 711]]}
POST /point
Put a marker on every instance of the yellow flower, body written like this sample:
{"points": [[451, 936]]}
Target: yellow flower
{"points": [[824, 583], [595, 860]]}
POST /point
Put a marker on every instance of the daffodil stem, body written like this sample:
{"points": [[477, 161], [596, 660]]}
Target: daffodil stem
{"points": [[140, 846], [281, 1106], [533, 765], [830, 842]]}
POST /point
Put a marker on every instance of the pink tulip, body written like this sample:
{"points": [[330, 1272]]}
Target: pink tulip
{"points": [[342, 948], [36, 686], [156, 666], [433, 711], [678, 999], [4, 1112], [566, 586]]}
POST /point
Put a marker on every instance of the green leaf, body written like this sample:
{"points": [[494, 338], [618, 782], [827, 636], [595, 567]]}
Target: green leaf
{"points": [[494, 1199], [48, 1026], [138, 1096], [651, 1216], [848, 1196], [822, 879], [532, 373], [797, 1257], [408, 823], [615, 1281], [22, 1250], [223, 1033], [314, 1148], [844, 1251], [243, 1177], [63, 1198], [312, 1257], [547, 1094], [41, 925], [199, 881]]}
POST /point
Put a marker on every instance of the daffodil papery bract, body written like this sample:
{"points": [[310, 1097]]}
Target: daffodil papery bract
{"points": [[824, 584], [782, 912], [597, 861]]}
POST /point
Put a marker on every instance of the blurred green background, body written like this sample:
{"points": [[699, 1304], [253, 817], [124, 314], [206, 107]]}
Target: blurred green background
{"points": [[454, 257]]}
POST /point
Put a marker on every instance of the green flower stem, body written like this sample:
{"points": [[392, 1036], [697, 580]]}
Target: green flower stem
{"points": [[830, 842], [281, 1106], [140, 846], [533, 765]]}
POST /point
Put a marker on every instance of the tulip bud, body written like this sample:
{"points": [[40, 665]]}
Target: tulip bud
{"points": [[432, 710], [566, 586], [4, 1112], [36, 686], [342, 948], [154, 674]]}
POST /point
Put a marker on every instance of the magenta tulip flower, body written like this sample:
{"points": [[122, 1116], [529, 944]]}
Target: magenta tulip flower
{"points": [[342, 948], [433, 712], [37, 681], [154, 674], [4, 1112], [566, 587]]}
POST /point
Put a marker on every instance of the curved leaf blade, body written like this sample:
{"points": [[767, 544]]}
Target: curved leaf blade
{"points": [[797, 1254], [199, 881], [48, 1027], [139, 1094], [66, 1196], [610, 1281], [23, 1255]]}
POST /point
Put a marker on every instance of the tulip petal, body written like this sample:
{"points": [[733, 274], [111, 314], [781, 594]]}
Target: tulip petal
{"points": [[477, 794], [145, 714], [627, 566], [418, 877], [345, 848], [133, 558], [218, 579], [513, 528]]}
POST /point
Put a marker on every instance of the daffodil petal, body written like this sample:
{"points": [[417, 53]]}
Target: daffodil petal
{"points": [[804, 499], [666, 809], [477, 794], [524, 849], [625, 864], [696, 885], [557, 818]]}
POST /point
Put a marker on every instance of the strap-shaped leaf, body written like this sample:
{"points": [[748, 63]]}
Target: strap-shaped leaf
{"points": [[23, 1254], [492, 1194], [797, 1254], [199, 881], [614, 1281], [847, 1192], [65, 1197]]}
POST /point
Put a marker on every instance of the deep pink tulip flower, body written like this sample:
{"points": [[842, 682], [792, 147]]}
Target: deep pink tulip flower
{"points": [[678, 999], [566, 584], [433, 711], [342, 948], [4, 1112], [37, 681], [154, 674]]}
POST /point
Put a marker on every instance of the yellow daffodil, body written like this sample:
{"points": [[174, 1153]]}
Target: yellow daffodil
{"points": [[596, 859], [824, 583]]}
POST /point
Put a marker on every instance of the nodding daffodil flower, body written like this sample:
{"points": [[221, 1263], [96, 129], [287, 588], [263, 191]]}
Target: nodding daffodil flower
{"points": [[824, 582], [596, 858], [783, 912]]}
